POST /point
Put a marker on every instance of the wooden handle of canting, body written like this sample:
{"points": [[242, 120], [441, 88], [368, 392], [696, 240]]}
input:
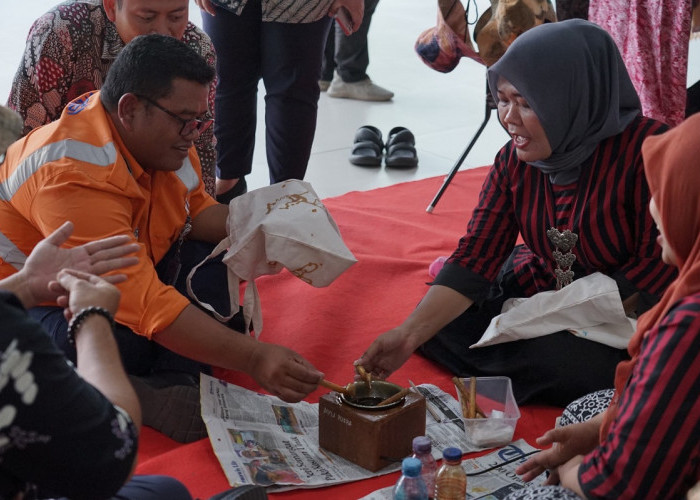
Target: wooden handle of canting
{"points": [[470, 408], [367, 377], [334, 387], [395, 397]]}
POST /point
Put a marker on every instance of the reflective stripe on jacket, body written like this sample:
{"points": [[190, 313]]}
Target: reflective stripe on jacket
{"points": [[78, 169]]}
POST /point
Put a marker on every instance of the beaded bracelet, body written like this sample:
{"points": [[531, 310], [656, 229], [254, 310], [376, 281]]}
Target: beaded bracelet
{"points": [[78, 319]]}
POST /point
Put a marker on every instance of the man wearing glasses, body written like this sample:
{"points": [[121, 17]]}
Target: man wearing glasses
{"points": [[70, 48], [122, 161]]}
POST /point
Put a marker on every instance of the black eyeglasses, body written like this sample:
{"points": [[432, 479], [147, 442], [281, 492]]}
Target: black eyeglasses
{"points": [[189, 125]]}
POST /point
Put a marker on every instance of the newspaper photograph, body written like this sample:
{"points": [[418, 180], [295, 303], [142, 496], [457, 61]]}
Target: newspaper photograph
{"points": [[260, 439], [490, 477]]}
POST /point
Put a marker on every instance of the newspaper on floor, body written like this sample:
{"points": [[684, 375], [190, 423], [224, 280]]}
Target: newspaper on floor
{"points": [[260, 439], [490, 484]]}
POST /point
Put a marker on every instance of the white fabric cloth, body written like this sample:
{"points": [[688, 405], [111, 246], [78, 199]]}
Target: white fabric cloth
{"points": [[284, 225], [589, 307]]}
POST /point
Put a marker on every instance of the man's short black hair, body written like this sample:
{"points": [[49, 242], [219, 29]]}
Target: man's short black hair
{"points": [[148, 65]]}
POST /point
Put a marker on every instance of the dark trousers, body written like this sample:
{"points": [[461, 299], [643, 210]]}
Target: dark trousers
{"points": [[150, 488], [349, 55], [554, 369], [288, 59], [141, 356], [572, 9]]}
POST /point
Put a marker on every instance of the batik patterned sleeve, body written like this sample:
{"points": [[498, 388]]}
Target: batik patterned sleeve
{"points": [[653, 447], [206, 143], [38, 91]]}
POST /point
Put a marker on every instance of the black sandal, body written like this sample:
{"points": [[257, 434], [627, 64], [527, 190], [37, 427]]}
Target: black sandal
{"points": [[401, 149], [368, 147]]}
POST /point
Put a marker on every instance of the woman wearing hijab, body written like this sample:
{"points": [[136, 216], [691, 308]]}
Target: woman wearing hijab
{"points": [[649, 443], [573, 165]]}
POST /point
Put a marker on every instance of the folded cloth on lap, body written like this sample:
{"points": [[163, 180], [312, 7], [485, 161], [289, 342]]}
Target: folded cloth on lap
{"points": [[590, 308]]}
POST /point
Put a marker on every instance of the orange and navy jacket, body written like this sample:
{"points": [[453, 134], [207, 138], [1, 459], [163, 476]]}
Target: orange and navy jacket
{"points": [[78, 169]]}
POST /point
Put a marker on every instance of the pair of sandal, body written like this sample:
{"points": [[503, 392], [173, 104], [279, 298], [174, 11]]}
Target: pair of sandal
{"points": [[368, 149]]}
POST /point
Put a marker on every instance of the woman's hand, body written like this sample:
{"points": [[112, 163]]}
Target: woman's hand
{"points": [[206, 6], [567, 442], [356, 9], [283, 372], [86, 290], [387, 353]]}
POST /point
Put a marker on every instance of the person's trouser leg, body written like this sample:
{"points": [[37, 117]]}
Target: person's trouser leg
{"points": [[153, 488], [140, 355], [291, 55], [328, 62], [351, 52], [554, 369], [237, 43]]}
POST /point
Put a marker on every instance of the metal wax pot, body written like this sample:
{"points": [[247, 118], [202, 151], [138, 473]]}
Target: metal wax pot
{"points": [[365, 398], [368, 435]]}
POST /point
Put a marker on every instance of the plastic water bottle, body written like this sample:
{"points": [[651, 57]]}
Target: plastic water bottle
{"points": [[451, 480], [410, 485], [422, 451]]}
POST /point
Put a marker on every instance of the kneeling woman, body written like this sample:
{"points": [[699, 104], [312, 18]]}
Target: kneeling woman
{"points": [[573, 163], [649, 443]]}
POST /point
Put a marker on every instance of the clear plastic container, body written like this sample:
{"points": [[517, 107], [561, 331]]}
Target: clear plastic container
{"points": [[422, 450], [494, 395], [410, 485], [451, 480]]}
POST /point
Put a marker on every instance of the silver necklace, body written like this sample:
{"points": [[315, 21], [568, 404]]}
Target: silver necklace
{"points": [[563, 242]]}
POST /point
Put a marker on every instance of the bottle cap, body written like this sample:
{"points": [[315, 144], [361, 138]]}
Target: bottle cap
{"points": [[411, 467], [452, 454], [421, 444]]}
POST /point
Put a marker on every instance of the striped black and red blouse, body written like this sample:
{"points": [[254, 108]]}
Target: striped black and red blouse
{"points": [[653, 446], [607, 207]]}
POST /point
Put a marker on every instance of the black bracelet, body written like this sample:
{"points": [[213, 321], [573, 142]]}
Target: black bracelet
{"points": [[78, 319]]}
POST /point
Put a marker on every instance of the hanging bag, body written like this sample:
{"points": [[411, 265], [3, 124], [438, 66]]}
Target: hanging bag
{"points": [[284, 225]]}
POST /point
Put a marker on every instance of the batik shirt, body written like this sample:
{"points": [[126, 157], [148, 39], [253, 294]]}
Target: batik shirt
{"points": [[69, 50], [283, 11], [57, 431]]}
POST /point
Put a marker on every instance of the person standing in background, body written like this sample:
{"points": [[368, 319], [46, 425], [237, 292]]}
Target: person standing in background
{"points": [[70, 48], [349, 56], [653, 37], [282, 43]]}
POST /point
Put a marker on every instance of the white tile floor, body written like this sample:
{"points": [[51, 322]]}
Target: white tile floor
{"points": [[442, 110]]}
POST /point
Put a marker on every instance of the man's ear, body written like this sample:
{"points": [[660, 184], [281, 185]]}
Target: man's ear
{"points": [[110, 7], [127, 109]]}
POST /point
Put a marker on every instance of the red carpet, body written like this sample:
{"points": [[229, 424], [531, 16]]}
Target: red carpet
{"points": [[394, 240]]}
